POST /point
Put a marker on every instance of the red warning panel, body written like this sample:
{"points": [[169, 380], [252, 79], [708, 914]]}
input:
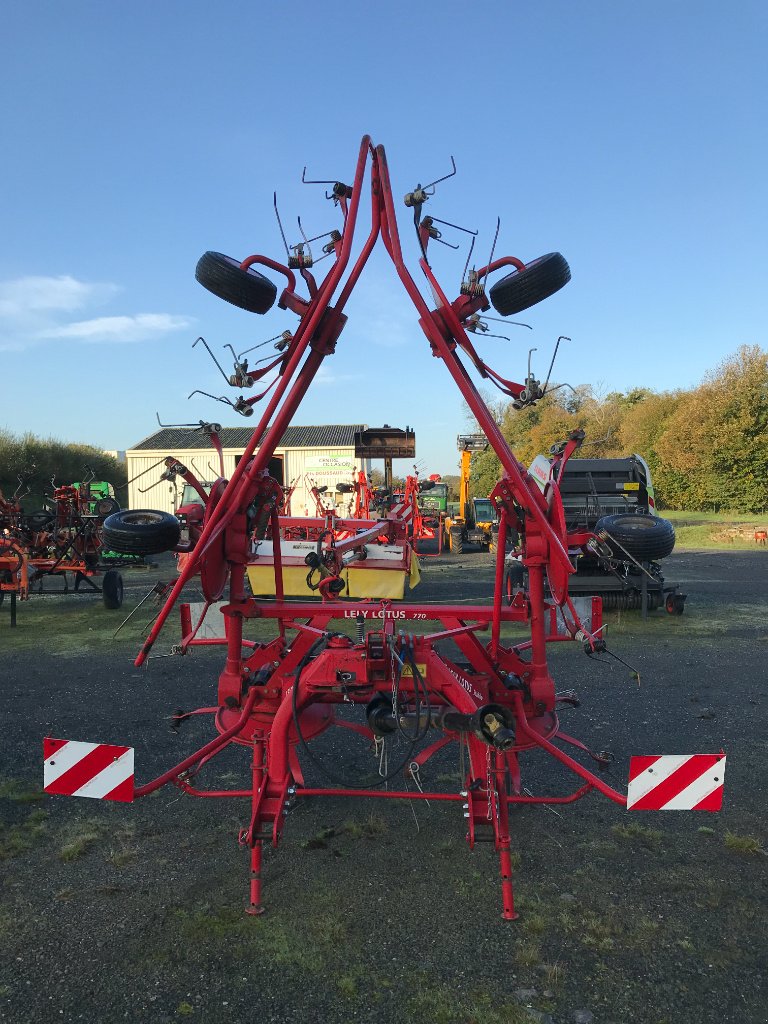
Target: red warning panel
{"points": [[676, 782], [101, 771]]}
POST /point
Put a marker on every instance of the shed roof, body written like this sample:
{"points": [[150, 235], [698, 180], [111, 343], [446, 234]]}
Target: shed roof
{"points": [[169, 439]]}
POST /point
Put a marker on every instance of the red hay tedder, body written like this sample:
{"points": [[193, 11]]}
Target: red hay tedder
{"points": [[461, 681]]}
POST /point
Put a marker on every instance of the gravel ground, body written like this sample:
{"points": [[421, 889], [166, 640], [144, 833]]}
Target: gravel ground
{"points": [[377, 911]]}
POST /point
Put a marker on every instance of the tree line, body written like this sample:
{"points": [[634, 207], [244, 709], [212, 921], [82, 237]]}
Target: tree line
{"points": [[707, 447], [39, 459]]}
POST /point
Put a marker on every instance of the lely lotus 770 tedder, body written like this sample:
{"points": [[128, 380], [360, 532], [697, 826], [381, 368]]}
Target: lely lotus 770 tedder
{"points": [[461, 682]]}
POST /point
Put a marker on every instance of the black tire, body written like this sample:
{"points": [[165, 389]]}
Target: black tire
{"points": [[524, 288], [112, 589], [514, 579], [247, 289], [646, 538], [141, 532], [675, 604], [40, 521], [457, 541], [105, 507]]}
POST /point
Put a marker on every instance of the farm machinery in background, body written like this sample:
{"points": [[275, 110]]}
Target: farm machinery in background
{"points": [[421, 677], [614, 500], [477, 521], [62, 540]]}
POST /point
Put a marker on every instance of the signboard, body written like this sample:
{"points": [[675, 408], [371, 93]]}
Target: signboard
{"points": [[331, 462]]}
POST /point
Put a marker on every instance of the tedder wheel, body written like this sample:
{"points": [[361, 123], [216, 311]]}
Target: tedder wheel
{"points": [[141, 532], [224, 276], [523, 288], [646, 538], [112, 589], [456, 542]]}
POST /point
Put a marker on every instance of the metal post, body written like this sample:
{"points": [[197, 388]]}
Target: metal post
{"points": [[13, 609]]}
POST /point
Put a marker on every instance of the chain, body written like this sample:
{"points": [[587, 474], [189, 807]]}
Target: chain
{"points": [[395, 675]]}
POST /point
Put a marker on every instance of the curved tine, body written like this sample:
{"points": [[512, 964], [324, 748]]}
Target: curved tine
{"points": [[213, 357], [197, 391], [254, 347], [554, 354], [530, 353], [493, 247], [280, 225], [444, 177]]}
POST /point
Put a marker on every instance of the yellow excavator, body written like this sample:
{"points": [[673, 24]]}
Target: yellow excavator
{"points": [[477, 516]]}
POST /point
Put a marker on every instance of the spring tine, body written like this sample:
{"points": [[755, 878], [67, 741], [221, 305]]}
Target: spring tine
{"points": [[444, 177], [501, 320], [493, 247], [260, 345], [280, 225], [554, 354], [469, 257], [457, 226], [226, 401], [213, 357]]}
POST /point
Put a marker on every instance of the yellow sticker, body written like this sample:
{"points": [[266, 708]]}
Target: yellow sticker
{"points": [[408, 671], [631, 487]]}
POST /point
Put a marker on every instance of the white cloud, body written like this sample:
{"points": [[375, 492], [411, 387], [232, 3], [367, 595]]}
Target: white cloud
{"points": [[37, 308], [119, 328], [326, 376], [33, 295]]}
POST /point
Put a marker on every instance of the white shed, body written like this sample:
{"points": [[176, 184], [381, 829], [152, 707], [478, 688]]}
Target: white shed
{"points": [[321, 455]]}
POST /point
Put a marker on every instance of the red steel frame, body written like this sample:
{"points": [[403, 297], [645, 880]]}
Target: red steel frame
{"points": [[264, 692]]}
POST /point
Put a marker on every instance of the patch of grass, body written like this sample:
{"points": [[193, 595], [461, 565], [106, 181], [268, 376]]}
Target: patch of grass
{"points": [[374, 825], [747, 845], [320, 840], [599, 847], [439, 1004], [21, 838], [528, 953], [308, 944], [598, 932], [705, 830], [79, 842], [347, 986], [534, 923], [634, 832], [19, 792], [552, 974], [122, 858], [185, 1009]]}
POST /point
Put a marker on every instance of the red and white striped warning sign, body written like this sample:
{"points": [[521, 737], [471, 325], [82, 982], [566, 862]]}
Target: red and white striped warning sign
{"points": [[102, 771], [676, 782]]}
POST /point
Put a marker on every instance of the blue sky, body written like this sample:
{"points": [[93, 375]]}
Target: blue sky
{"points": [[629, 137]]}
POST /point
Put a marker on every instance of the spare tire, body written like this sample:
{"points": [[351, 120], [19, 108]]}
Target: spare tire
{"points": [[537, 281], [141, 532], [224, 276], [647, 538]]}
